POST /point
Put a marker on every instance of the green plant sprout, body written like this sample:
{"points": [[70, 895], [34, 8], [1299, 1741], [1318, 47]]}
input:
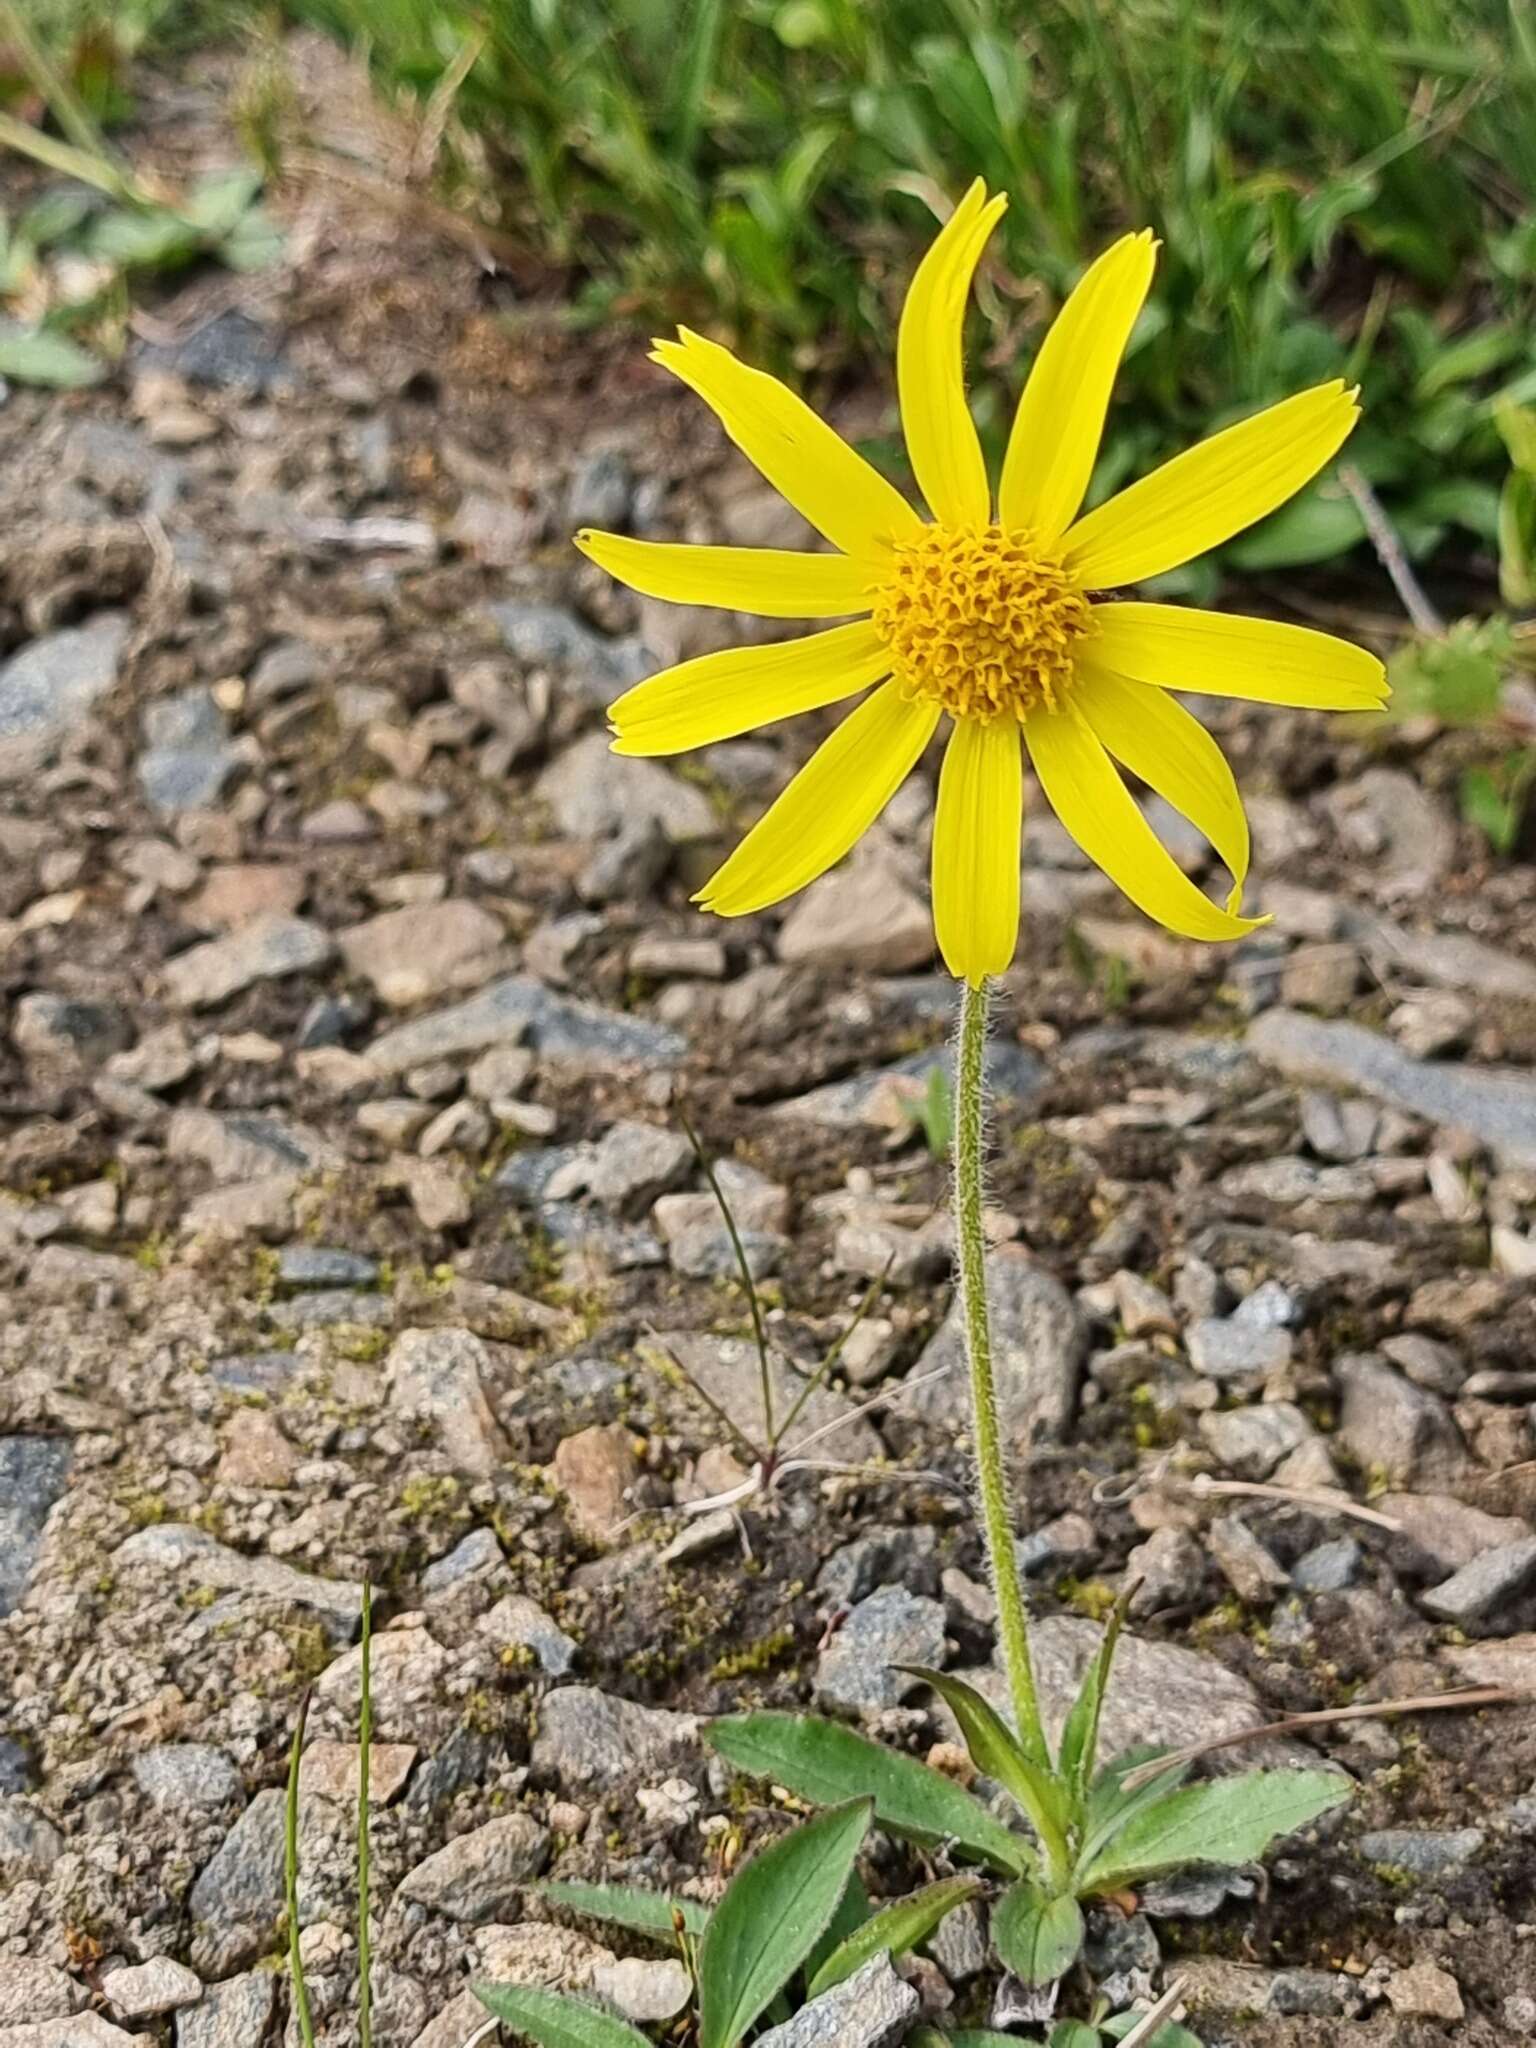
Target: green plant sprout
{"points": [[303, 2018], [774, 1459], [793, 1923], [933, 1112], [1090, 1832], [116, 221]]}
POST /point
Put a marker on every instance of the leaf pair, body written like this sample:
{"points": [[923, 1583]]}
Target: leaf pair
{"points": [[797, 1906]]}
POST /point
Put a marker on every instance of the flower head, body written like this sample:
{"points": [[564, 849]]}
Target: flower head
{"points": [[994, 618]]}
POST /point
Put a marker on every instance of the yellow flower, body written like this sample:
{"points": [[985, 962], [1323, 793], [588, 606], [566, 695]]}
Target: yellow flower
{"points": [[994, 619]]}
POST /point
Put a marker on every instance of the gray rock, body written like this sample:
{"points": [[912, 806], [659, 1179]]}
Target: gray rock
{"points": [[883, 1099], [1063, 1545], [33, 1472], [518, 1623], [544, 636], [439, 1377], [628, 866], [424, 950], [600, 490], [1271, 1306], [1039, 1340], [517, 1009], [169, 1548], [1253, 1573], [69, 1028], [30, 1844], [1158, 1693], [1451, 1532], [146, 1990], [891, 1627], [1226, 1348], [1427, 1362], [177, 1775], [1423, 1852], [905, 1555], [1393, 1428], [591, 1742], [1319, 1994], [1171, 1568], [478, 1877], [1485, 1585], [80, 2030], [15, 1767], [1252, 1441], [32, 1990], [229, 352], [642, 1990], [619, 1247], [1452, 960], [234, 2014], [594, 792], [254, 1372], [471, 1559], [1328, 1567], [632, 1164], [326, 1308], [237, 1899], [1497, 1105], [320, 1265], [871, 2009], [188, 757], [240, 1146], [48, 687], [266, 949]]}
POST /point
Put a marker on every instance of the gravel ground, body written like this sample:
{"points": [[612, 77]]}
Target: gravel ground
{"points": [[353, 1009]]}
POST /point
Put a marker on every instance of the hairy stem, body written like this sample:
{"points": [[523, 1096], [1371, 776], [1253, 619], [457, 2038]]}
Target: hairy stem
{"points": [[991, 1470]]}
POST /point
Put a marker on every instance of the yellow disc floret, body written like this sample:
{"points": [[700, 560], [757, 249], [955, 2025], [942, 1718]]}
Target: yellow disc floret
{"points": [[981, 620]]}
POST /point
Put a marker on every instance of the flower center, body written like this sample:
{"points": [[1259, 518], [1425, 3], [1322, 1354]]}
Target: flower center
{"points": [[982, 620]]}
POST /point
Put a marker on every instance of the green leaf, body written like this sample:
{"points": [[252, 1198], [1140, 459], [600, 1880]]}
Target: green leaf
{"points": [[968, 2037], [773, 1911], [896, 1929], [1074, 2034], [1110, 1806], [151, 239], [996, 1750], [1171, 2036], [1225, 1820], [1312, 528], [42, 356], [1036, 1935], [853, 1909], [825, 1762], [556, 2022], [1080, 1736], [625, 1905]]}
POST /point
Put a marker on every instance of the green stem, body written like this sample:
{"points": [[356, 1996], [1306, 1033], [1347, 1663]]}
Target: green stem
{"points": [[991, 1469]]}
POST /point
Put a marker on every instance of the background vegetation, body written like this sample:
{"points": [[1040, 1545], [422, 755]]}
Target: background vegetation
{"points": [[1341, 186]]}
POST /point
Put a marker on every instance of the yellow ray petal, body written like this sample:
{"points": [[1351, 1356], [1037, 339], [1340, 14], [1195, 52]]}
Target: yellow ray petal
{"points": [[831, 803], [1157, 739], [815, 469], [716, 696], [1218, 655], [775, 583], [976, 832], [1060, 420], [930, 372], [1084, 789], [1212, 491]]}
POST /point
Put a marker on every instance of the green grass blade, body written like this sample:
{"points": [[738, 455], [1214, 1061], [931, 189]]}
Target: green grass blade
{"points": [[364, 1751], [301, 2011]]}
